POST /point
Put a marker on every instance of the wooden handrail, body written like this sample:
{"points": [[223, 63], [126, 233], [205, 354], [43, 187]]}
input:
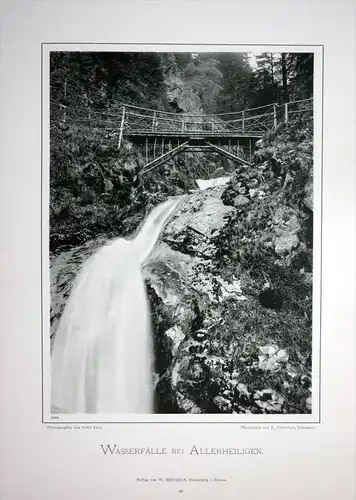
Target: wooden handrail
{"points": [[183, 114]]}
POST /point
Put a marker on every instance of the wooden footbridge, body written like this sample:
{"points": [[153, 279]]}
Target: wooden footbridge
{"points": [[162, 135]]}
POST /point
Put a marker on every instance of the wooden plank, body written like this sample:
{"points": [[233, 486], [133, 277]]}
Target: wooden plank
{"points": [[229, 155]]}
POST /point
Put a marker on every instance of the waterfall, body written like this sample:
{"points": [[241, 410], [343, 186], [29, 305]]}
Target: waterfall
{"points": [[102, 352]]}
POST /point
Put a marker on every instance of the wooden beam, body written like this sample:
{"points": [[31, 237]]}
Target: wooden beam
{"points": [[229, 155], [161, 159]]}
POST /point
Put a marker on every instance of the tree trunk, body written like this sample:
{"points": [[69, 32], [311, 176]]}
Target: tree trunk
{"points": [[272, 68]]}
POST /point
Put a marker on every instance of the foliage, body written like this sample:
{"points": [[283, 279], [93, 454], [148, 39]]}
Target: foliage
{"points": [[102, 80]]}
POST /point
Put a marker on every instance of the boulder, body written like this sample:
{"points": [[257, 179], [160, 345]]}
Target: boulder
{"points": [[286, 228], [182, 95], [240, 200], [284, 244]]}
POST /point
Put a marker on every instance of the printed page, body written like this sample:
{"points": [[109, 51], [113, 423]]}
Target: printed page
{"points": [[177, 249]]}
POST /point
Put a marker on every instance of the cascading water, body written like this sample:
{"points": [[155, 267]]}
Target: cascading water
{"points": [[102, 353]]}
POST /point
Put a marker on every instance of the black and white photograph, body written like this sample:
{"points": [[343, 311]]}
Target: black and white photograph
{"points": [[181, 197]]}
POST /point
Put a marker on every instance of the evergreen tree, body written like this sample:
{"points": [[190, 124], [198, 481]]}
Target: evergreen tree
{"points": [[301, 68], [237, 80], [266, 87]]}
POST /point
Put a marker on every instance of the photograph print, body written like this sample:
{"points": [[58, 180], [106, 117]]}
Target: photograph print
{"points": [[181, 232]]}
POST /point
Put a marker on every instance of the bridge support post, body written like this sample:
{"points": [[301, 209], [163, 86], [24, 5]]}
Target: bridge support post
{"points": [[286, 112], [243, 122], [121, 127]]}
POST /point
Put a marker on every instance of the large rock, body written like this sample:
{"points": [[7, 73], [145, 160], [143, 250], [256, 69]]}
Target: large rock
{"points": [[240, 200], [183, 287], [286, 229], [285, 244], [182, 95]]}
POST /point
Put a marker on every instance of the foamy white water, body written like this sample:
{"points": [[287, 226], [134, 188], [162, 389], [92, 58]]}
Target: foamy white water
{"points": [[102, 352], [206, 184]]}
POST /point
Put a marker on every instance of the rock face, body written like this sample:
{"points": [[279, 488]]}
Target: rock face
{"points": [[181, 95], [183, 286], [286, 227], [185, 99], [63, 270]]}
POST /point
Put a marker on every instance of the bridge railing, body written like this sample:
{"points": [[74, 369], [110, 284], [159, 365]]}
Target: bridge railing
{"points": [[142, 120], [132, 120], [250, 121]]}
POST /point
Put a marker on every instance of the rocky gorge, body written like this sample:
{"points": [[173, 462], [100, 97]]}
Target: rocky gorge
{"points": [[220, 348], [230, 279]]}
